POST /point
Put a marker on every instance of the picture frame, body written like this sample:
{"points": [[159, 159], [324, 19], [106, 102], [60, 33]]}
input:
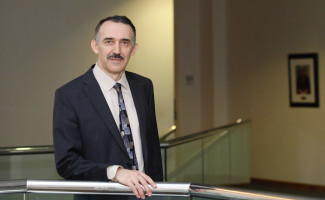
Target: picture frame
{"points": [[303, 80]]}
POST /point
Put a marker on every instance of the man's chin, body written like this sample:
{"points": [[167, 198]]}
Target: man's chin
{"points": [[117, 69]]}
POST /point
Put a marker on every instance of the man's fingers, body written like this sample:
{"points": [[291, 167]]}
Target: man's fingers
{"points": [[148, 190], [149, 180], [144, 183], [140, 190], [134, 189]]}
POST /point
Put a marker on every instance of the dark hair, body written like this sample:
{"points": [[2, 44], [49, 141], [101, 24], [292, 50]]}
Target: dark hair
{"points": [[116, 19]]}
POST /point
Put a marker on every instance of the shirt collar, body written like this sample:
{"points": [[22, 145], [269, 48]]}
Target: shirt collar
{"points": [[124, 82], [106, 82]]}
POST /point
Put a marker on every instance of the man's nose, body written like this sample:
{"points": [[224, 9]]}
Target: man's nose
{"points": [[117, 48]]}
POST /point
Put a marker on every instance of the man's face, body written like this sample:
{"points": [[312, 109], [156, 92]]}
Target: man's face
{"points": [[114, 48]]}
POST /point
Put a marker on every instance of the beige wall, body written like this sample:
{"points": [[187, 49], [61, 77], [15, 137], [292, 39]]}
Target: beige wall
{"points": [[46, 43], [287, 144]]}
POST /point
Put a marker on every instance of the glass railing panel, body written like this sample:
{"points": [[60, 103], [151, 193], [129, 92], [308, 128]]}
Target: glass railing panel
{"points": [[239, 157], [5, 168], [220, 156], [13, 196], [170, 198], [184, 162], [62, 196], [52, 196], [204, 198], [28, 166], [216, 159]]}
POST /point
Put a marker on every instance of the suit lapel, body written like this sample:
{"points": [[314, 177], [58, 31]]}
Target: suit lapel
{"points": [[139, 99], [96, 97]]}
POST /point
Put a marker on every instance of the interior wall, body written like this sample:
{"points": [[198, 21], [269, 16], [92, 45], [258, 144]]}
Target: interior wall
{"points": [[200, 59], [219, 56], [251, 42], [46, 43], [287, 143], [187, 66]]}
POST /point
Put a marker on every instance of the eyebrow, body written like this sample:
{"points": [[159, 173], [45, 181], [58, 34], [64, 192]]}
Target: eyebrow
{"points": [[110, 38]]}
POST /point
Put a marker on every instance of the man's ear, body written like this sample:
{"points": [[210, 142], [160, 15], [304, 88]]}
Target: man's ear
{"points": [[134, 49], [94, 46]]}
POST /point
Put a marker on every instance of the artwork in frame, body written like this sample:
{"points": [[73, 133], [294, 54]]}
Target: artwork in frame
{"points": [[303, 80]]}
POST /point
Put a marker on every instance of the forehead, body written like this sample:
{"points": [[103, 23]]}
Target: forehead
{"points": [[115, 30]]}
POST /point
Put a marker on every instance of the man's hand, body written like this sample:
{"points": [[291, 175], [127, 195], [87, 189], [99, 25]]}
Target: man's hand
{"points": [[134, 180]]}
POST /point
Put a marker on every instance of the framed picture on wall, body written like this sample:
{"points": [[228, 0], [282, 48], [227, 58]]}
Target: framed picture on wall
{"points": [[303, 80]]}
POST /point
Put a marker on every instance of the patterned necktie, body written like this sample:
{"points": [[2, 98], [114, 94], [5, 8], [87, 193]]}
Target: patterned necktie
{"points": [[125, 128]]}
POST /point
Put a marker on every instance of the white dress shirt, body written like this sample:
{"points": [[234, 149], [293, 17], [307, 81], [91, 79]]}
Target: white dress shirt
{"points": [[106, 84]]}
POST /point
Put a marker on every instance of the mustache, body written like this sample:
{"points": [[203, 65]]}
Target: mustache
{"points": [[116, 56]]}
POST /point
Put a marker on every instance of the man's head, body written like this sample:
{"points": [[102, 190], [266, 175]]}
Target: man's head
{"points": [[114, 43], [116, 19]]}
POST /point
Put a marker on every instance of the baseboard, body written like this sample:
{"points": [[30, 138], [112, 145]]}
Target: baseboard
{"points": [[298, 186]]}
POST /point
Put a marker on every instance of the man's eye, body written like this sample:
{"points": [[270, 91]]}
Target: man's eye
{"points": [[125, 42]]}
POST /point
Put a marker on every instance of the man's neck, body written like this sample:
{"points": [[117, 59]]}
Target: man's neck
{"points": [[115, 76]]}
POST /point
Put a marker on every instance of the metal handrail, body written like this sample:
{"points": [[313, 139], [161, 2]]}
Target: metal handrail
{"points": [[86, 187], [167, 133], [199, 135], [110, 188], [180, 140], [26, 150]]}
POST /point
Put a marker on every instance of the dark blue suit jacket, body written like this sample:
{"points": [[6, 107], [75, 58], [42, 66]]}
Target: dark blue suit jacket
{"points": [[86, 138]]}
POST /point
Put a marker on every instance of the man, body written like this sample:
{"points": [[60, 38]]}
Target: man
{"points": [[88, 123]]}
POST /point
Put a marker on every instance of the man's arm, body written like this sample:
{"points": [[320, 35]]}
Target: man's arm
{"points": [[70, 163]]}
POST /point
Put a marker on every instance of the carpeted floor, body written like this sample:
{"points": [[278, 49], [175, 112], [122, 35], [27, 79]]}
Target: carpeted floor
{"points": [[283, 191]]}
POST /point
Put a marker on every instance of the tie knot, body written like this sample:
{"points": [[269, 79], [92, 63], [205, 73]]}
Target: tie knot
{"points": [[117, 87]]}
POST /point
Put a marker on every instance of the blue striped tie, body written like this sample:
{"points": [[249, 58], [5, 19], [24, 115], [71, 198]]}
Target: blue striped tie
{"points": [[125, 128]]}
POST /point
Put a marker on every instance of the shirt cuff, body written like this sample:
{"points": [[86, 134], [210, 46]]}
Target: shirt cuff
{"points": [[111, 171]]}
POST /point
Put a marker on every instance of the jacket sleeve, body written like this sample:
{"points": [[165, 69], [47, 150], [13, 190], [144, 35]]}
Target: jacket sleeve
{"points": [[69, 159]]}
